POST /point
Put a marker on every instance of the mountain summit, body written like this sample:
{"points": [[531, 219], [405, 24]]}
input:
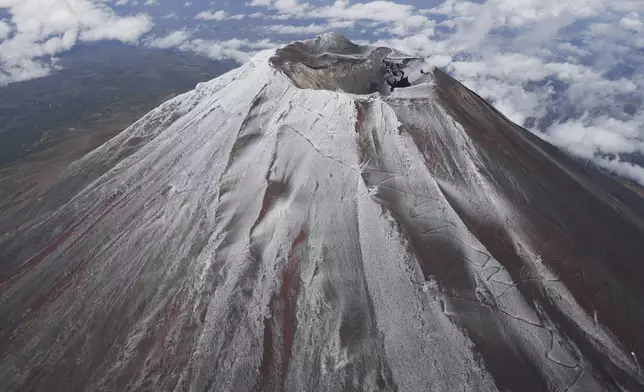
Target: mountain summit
{"points": [[305, 223]]}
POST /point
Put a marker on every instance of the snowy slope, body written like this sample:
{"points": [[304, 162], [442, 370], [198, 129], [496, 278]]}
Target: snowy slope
{"points": [[292, 225]]}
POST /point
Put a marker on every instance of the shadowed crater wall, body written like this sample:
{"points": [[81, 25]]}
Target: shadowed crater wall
{"points": [[332, 62]]}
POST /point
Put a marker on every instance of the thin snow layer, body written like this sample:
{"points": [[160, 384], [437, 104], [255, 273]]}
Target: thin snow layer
{"points": [[253, 235]]}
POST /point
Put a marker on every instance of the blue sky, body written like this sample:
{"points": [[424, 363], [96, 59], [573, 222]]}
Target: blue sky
{"points": [[572, 71]]}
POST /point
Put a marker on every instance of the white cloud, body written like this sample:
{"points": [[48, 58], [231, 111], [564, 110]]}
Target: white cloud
{"points": [[260, 3], [5, 29], [45, 29], [439, 60], [309, 29], [210, 15], [415, 23], [223, 15], [521, 13], [632, 22], [568, 48], [622, 169], [23, 69], [127, 30], [379, 10], [152, 3], [293, 7], [240, 50], [290, 30], [588, 137], [383, 11], [172, 40], [391, 17]]}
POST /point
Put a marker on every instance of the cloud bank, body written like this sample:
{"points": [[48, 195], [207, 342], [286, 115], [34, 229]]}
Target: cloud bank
{"points": [[240, 50], [39, 30]]}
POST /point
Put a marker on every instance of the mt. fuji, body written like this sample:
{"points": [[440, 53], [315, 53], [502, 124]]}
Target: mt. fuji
{"points": [[297, 224]]}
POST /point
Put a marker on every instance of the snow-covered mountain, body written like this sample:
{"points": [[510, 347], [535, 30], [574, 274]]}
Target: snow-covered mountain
{"points": [[294, 225]]}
